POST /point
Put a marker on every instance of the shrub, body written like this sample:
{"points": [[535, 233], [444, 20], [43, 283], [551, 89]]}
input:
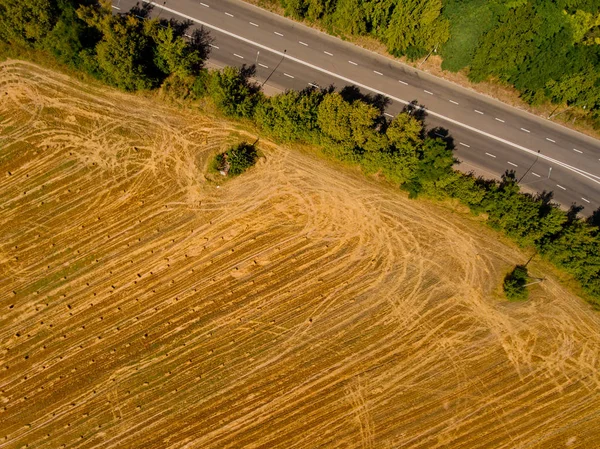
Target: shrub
{"points": [[515, 284], [236, 160]]}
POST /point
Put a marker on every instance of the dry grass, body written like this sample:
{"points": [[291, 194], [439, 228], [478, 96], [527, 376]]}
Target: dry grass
{"points": [[296, 306]]}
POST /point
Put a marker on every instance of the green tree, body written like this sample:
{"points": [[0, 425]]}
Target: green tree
{"points": [[434, 169], [352, 124], [515, 284], [27, 22], [125, 52], [378, 13], [72, 41], [469, 21], [506, 46], [236, 160], [291, 115], [173, 55], [416, 25], [349, 17], [233, 92], [576, 248]]}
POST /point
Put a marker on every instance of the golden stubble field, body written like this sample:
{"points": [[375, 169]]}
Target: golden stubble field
{"points": [[297, 306]]}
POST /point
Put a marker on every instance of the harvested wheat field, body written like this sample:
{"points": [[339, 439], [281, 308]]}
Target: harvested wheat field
{"points": [[299, 305]]}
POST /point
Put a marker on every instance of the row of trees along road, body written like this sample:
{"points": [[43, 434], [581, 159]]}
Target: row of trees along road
{"points": [[132, 53], [548, 49]]}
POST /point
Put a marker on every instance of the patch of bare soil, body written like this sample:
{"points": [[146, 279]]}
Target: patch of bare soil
{"points": [[297, 306]]}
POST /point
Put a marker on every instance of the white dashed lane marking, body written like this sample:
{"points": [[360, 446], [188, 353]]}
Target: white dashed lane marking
{"points": [[513, 164], [427, 92], [314, 85], [403, 82], [499, 119], [116, 7], [479, 112], [262, 65], [377, 91], [303, 43], [238, 56], [526, 130], [535, 174], [288, 75], [585, 199], [490, 155], [550, 140], [389, 115], [577, 151], [560, 187], [278, 34], [453, 102], [228, 14], [327, 53], [205, 5], [253, 24], [464, 145], [352, 62], [377, 73], [214, 46]]}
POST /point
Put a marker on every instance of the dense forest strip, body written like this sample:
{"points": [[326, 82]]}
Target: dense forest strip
{"points": [[131, 52], [548, 50]]}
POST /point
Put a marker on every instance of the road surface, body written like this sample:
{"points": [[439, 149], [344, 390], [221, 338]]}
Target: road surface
{"points": [[490, 137]]}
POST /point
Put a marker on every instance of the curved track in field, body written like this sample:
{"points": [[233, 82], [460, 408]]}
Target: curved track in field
{"points": [[297, 306]]}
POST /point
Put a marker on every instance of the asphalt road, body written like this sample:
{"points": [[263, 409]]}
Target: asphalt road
{"points": [[490, 137]]}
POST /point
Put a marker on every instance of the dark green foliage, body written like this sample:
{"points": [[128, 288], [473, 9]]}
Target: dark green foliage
{"points": [[126, 51], [576, 248], [549, 50], [291, 115], [407, 27], [528, 220], [125, 54], [469, 21], [514, 284], [233, 92], [433, 170], [236, 160], [27, 22]]}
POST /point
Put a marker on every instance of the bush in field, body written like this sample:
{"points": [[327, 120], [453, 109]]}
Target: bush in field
{"points": [[236, 160], [514, 284]]}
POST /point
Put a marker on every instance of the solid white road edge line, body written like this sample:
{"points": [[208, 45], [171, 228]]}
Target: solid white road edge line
{"points": [[589, 176]]}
